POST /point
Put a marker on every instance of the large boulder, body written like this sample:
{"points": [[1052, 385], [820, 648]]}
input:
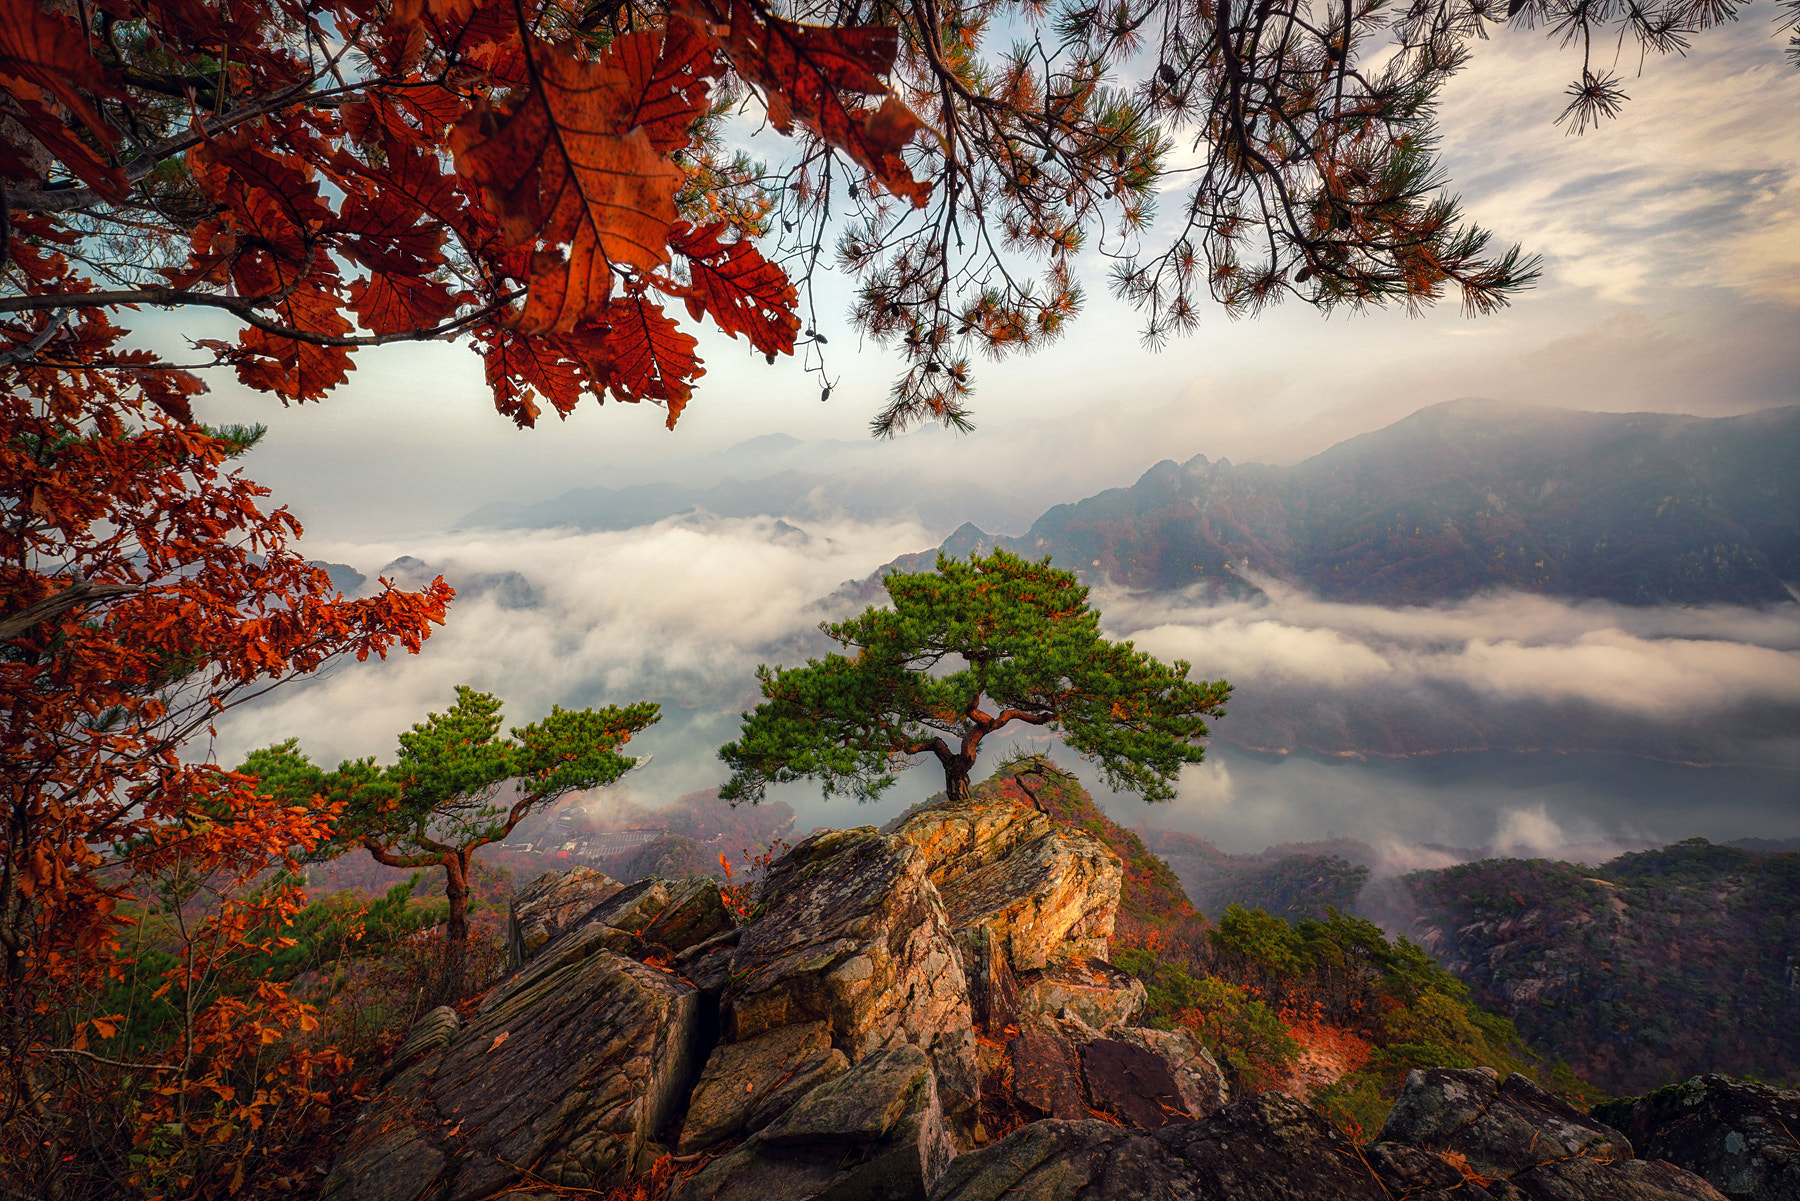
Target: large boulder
{"points": [[1198, 1080], [1080, 989], [1043, 889], [1743, 1138], [1134, 1085], [1583, 1179], [853, 935], [1263, 1148], [875, 1133], [570, 1077], [1145, 1079], [553, 904], [576, 946], [694, 913], [1499, 1128], [1519, 1141], [747, 1085]]}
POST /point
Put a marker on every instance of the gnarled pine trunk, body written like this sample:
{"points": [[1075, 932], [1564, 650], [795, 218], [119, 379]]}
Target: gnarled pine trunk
{"points": [[456, 932]]}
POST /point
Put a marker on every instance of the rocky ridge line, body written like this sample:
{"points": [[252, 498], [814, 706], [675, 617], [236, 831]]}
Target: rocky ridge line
{"points": [[924, 1013]]}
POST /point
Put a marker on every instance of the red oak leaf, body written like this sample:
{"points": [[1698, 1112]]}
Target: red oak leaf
{"points": [[743, 291]]}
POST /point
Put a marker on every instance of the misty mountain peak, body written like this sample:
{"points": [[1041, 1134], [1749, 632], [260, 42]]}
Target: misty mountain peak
{"points": [[1461, 498]]}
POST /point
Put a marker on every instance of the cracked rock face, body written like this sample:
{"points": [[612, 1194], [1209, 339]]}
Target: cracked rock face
{"points": [[854, 936], [1501, 1129], [553, 904], [569, 1077], [1078, 988], [1263, 1148], [427, 1035], [875, 1133], [1198, 1080], [1038, 886], [1514, 1136], [747, 1085], [1743, 1138], [1145, 1078]]}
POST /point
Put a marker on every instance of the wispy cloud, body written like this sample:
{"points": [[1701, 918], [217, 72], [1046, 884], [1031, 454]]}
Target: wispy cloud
{"points": [[1692, 187], [681, 611], [1497, 661]]}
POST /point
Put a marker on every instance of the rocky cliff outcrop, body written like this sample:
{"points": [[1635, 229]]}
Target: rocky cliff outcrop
{"points": [[1743, 1137], [921, 1013]]}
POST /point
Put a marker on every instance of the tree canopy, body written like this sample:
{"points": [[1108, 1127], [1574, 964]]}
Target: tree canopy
{"points": [[146, 589], [544, 181], [966, 651], [455, 786]]}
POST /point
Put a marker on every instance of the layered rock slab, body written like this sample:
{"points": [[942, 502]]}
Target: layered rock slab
{"points": [[427, 1034], [1500, 1129], [1082, 989], [569, 1077], [1038, 886], [1519, 1141], [1264, 1148], [875, 1133], [551, 905], [853, 935], [747, 1085]]}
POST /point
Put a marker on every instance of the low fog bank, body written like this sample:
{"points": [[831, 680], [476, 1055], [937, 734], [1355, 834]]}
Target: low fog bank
{"points": [[1427, 813], [1398, 727], [1712, 685]]}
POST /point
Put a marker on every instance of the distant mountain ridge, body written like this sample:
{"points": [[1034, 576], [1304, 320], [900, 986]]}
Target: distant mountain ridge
{"points": [[1459, 498], [777, 475]]}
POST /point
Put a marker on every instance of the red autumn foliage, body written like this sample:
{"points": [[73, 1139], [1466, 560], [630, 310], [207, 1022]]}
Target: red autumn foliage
{"points": [[480, 176], [333, 176], [146, 591]]}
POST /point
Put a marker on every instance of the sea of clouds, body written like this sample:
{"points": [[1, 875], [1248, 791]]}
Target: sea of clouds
{"points": [[1338, 725]]}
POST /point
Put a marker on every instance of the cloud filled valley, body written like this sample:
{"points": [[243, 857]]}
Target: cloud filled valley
{"points": [[1341, 722]]}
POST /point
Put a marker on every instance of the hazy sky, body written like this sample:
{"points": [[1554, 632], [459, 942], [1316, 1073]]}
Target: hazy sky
{"points": [[1671, 240], [1672, 246]]}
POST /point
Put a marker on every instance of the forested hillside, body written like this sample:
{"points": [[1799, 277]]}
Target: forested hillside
{"points": [[1644, 971]]}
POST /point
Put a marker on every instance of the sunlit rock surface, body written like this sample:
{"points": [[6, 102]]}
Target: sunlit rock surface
{"points": [[1038, 886]]}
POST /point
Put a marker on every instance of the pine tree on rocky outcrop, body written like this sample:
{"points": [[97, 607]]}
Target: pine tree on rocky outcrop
{"points": [[966, 651], [456, 787]]}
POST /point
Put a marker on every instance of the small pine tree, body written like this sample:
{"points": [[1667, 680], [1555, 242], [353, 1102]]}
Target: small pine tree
{"points": [[456, 786]]}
